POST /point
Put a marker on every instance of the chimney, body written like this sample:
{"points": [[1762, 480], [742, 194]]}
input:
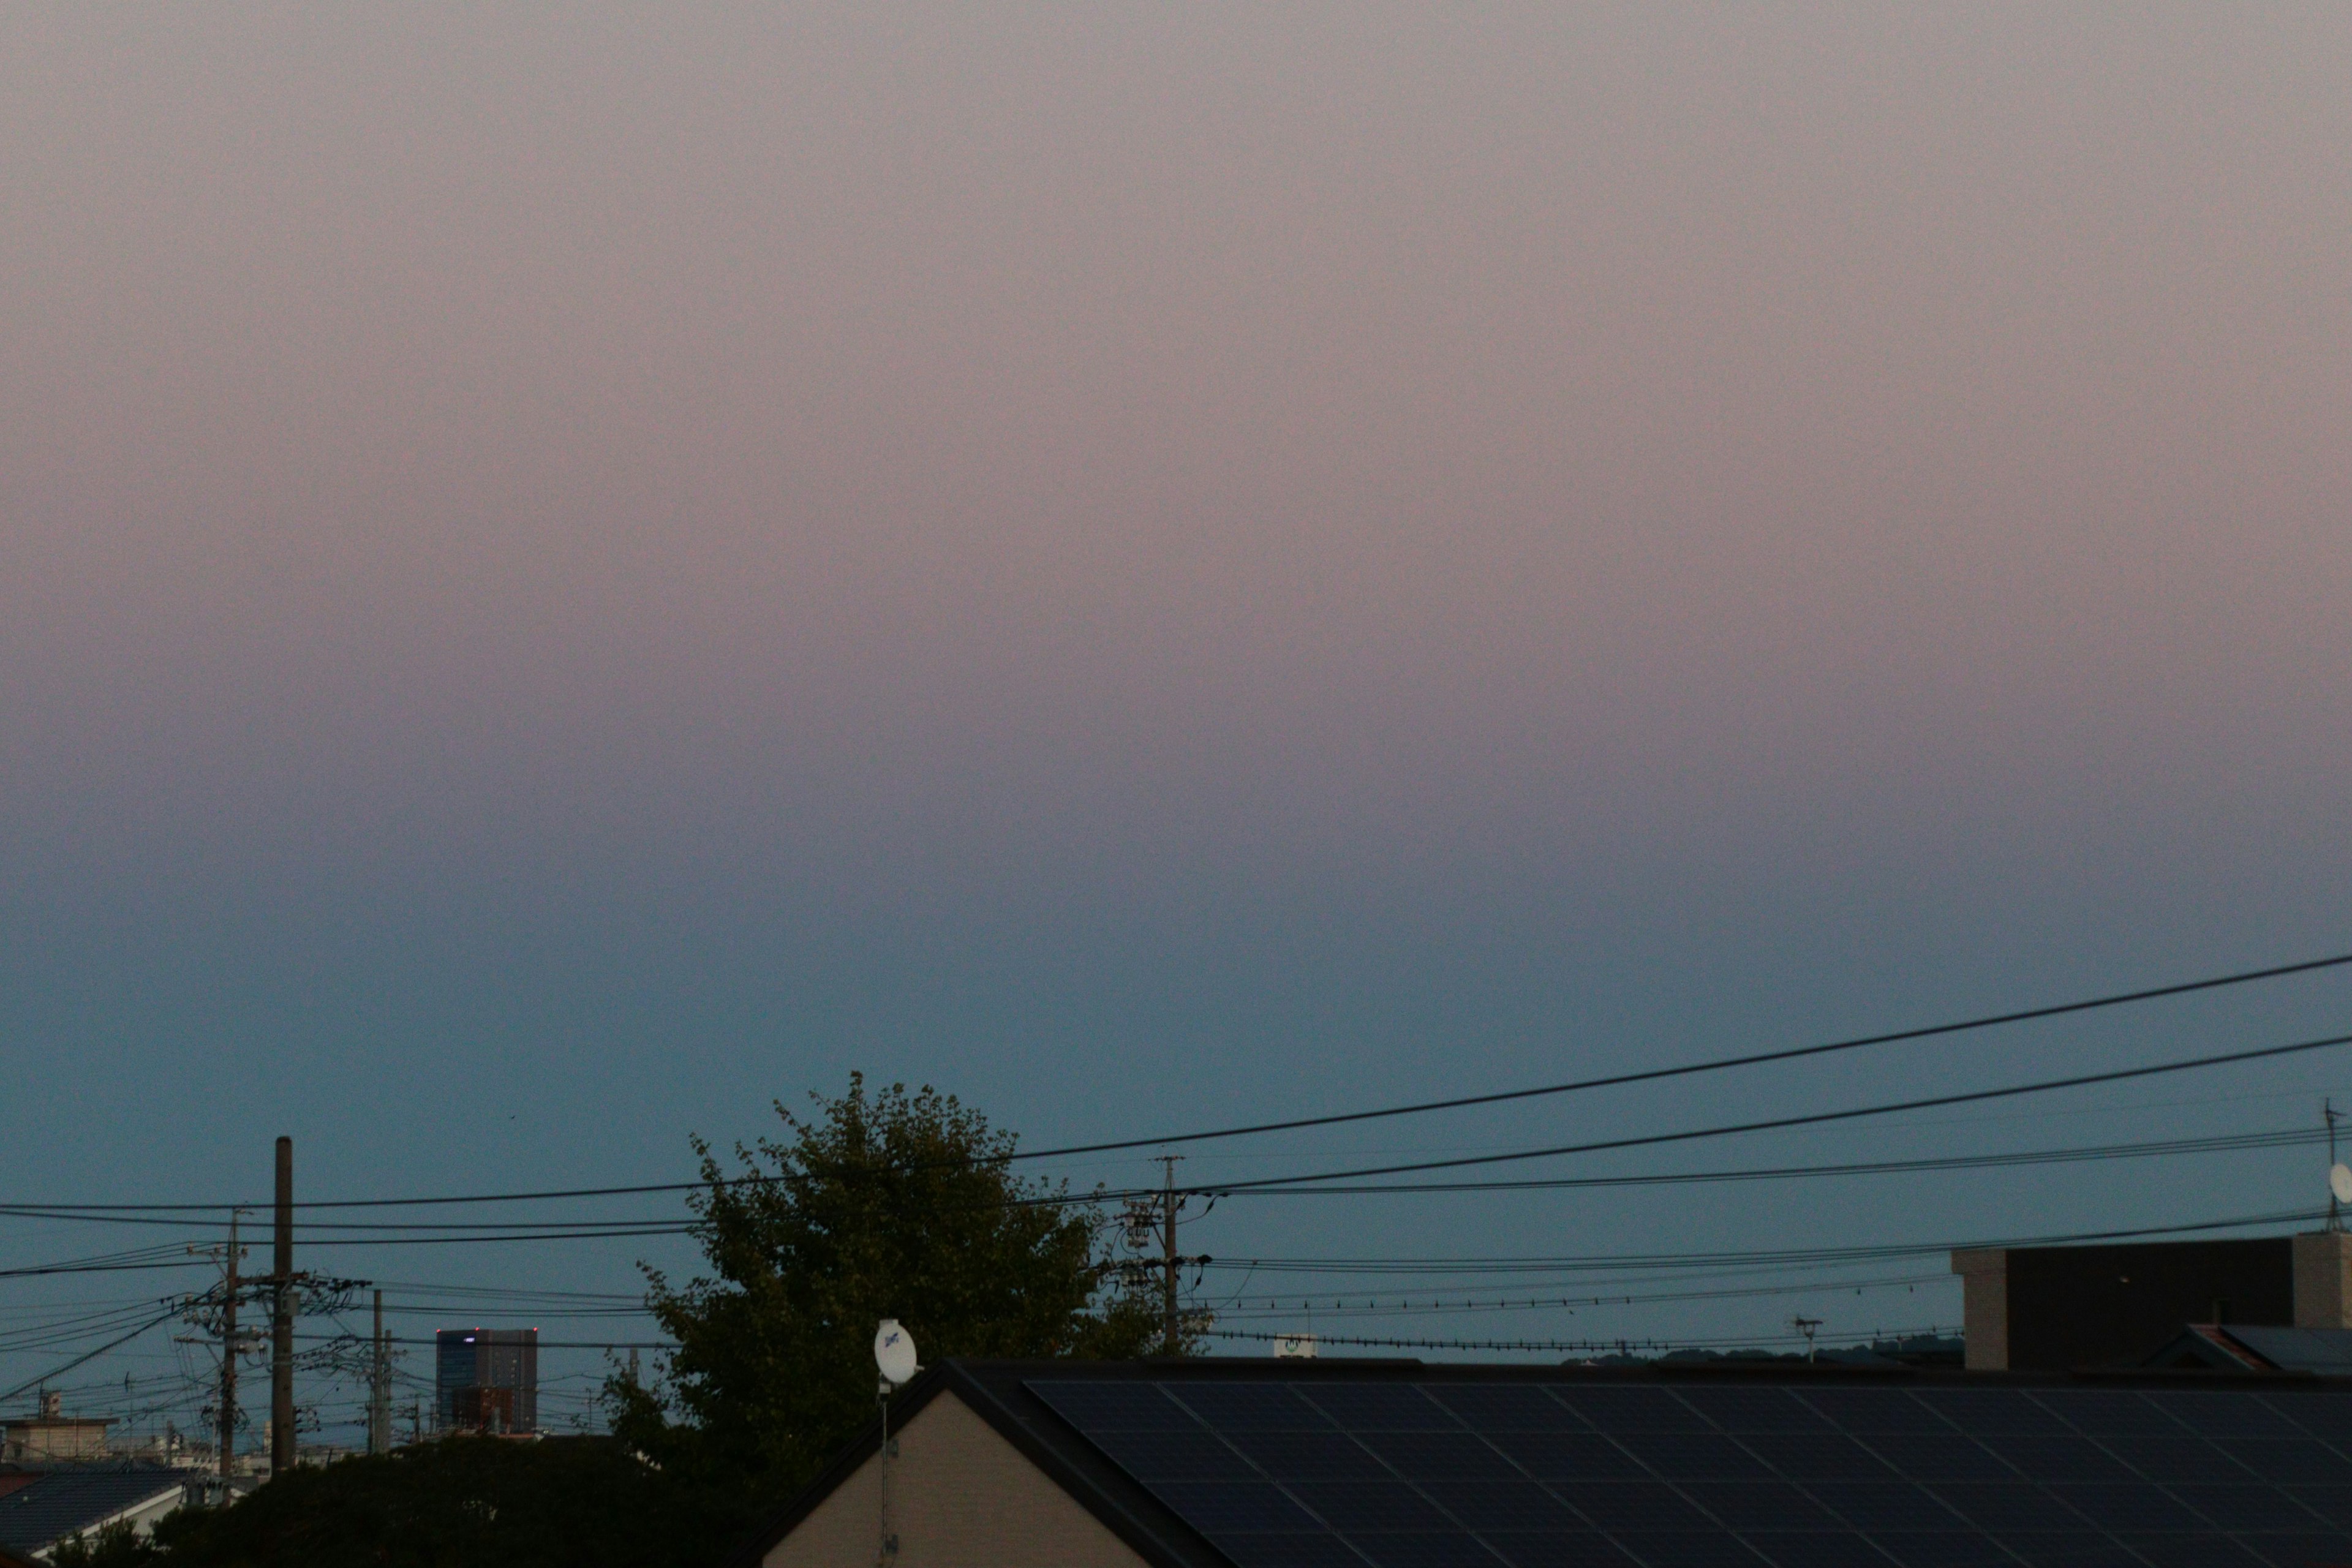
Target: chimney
{"points": [[53, 1405]]}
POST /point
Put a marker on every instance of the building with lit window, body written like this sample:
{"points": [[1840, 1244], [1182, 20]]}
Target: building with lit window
{"points": [[486, 1380]]}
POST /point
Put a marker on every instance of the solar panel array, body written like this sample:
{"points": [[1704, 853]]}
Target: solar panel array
{"points": [[1397, 1474]]}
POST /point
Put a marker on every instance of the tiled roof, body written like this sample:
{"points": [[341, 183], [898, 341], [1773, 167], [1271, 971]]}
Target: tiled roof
{"points": [[63, 1499]]}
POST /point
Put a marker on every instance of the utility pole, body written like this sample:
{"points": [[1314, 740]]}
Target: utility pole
{"points": [[281, 1326], [2334, 1204], [230, 1285], [1149, 1213], [380, 1389], [1170, 1344]]}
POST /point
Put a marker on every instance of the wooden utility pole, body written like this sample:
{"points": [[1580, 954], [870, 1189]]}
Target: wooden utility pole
{"points": [[380, 1389], [230, 1285], [281, 1326], [1170, 1344]]}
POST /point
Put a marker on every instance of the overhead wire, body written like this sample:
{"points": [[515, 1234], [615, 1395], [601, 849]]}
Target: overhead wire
{"points": [[1810, 1118], [1646, 1075]]}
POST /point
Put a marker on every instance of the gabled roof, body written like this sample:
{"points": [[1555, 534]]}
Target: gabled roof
{"points": [[2250, 1347], [1275, 1464], [63, 1499], [998, 1392]]}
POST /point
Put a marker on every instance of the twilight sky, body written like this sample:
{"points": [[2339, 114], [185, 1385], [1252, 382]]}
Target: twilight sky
{"points": [[568, 570]]}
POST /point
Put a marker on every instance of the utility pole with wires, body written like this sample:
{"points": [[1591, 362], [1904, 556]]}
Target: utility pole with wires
{"points": [[379, 1439], [1143, 1218], [233, 1341], [281, 1321], [229, 1287]]}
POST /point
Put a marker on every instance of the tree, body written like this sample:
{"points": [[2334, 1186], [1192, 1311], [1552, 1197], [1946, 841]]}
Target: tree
{"points": [[889, 1204]]}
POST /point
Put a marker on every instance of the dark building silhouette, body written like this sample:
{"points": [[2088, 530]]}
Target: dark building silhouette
{"points": [[2050, 1308], [486, 1380]]}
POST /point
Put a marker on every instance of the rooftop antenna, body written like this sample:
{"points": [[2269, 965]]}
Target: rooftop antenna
{"points": [[894, 1358], [2339, 1177]]}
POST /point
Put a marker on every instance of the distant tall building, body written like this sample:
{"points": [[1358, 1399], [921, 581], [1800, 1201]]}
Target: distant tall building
{"points": [[486, 1380]]}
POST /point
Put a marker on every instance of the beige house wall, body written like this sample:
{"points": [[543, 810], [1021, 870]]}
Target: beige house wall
{"points": [[2323, 1280], [1984, 1306], [960, 1497], [40, 1437]]}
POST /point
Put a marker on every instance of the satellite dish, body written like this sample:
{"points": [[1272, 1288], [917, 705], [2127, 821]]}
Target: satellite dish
{"points": [[2339, 1181], [893, 1348]]}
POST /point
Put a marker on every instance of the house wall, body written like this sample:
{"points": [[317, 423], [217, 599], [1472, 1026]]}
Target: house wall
{"points": [[2323, 1280], [46, 1438], [2049, 1309], [1984, 1307], [960, 1497]]}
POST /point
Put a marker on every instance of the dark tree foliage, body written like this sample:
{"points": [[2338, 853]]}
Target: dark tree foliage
{"points": [[115, 1546], [463, 1502], [887, 1205]]}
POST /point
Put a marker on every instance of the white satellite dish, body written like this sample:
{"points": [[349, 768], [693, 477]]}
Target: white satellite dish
{"points": [[894, 1352], [2339, 1181]]}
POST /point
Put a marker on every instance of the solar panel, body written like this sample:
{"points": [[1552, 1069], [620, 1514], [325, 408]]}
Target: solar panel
{"points": [[2192, 1551], [2069, 1549], [1425, 1549], [1829, 1456], [1250, 1549], [1938, 1456], [1565, 1455], [1369, 1505], [1381, 1407], [2332, 1504], [1632, 1504], [2009, 1505], [1382, 1472], [1308, 1456], [1215, 1507], [1506, 1407], [1559, 1549], [1696, 1549], [1629, 1407], [1760, 1505], [2062, 1456], [1103, 1406], [1195, 1456], [1815, 1549], [2133, 1505], [1487, 1506], [2289, 1460], [1694, 1455], [1249, 1406], [1437, 1456], [2101, 1413], [1755, 1410], [1944, 1549]]}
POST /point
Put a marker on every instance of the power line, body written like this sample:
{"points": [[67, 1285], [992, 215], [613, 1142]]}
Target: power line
{"points": [[1755, 1058], [1757, 1257], [2217, 1144], [1648, 1075], [2230, 1143], [1812, 1119]]}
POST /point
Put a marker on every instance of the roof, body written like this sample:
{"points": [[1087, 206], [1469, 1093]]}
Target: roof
{"points": [[2317, 1353], [1293, 1464], [63, 1499], [2326, 1352]]}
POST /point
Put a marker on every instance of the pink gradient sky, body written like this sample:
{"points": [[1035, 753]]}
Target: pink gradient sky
{"points": [[714, 546]]}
